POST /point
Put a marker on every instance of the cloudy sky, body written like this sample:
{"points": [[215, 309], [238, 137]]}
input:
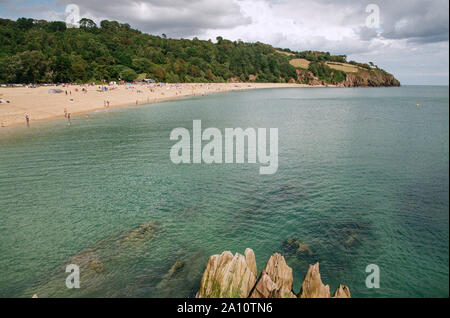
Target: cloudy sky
{"points": [[411, 39]]}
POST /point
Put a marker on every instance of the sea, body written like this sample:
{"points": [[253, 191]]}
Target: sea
{"points": [[362, 180]]}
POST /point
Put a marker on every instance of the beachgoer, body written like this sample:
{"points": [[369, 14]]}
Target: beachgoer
{"points": [[68, 119], [65, 112], [27, 118]]}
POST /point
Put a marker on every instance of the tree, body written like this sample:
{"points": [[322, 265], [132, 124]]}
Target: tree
{"points": [[57, 26], [79, 68], [128, 74], [209, 75], [87, 24], [159, 72]]}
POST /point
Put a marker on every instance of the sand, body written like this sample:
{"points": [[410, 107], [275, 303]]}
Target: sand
{"points": [[39, 104]]}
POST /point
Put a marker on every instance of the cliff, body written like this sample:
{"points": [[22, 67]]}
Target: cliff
{"points": [[362, 78], [229, 276], [372, 78]]}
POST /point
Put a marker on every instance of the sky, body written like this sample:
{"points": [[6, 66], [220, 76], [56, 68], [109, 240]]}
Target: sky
{"points": [[409, 39]]}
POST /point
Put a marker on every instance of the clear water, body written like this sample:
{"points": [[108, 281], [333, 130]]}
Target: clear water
{"points": [[363, 179]]}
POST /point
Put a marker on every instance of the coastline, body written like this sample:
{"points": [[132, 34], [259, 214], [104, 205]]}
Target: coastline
{"points": [[42, 105]]}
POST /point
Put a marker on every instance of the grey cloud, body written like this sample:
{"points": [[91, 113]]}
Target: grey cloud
{"points": [[176, 18], [424, 21], [421, 21]]}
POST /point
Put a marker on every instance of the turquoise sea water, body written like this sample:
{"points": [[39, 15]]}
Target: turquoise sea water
{"points": [[363, 179]]}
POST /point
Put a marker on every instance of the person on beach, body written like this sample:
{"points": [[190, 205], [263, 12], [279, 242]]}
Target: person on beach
{"points": [[27, 118], [65, 112], [68, 119]]}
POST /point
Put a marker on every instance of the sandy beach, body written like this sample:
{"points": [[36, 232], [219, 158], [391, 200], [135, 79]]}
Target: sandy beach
{"points": [[40, 104]]}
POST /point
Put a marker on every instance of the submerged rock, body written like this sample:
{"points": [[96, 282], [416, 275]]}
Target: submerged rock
{"points": [[141, 233], [178, 265], [312, 286], [275, 280], [96, 266], [98, 262], [228, 276], [182, 278], [297, 247], [342, 292]]}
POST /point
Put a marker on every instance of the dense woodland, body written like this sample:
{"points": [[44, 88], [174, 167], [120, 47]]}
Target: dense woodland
{"points": [[37, 51]]}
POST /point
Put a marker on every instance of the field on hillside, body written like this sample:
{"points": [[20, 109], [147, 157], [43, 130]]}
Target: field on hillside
{"points": [[285, 53], [347, 68], [300, 63]]}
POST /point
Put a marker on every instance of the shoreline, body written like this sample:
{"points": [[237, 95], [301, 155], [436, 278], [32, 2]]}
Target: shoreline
{"points": [[83, 99]]}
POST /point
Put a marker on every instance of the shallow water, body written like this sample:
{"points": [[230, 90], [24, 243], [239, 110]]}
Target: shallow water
{"points": [[363, 179]]}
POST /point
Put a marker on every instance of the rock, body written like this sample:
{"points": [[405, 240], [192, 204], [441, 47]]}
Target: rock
{"points": [[275, 280], [251, 260], [96, 266], [228, 276], [297, 246], [35, 296], [342, 292], [312, 286], [178, 265], [141, 233]]}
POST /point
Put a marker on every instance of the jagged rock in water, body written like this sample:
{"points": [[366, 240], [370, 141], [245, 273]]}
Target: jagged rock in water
{"points": [[342, 292], [228, 276], [275, 280], [312, 286]]}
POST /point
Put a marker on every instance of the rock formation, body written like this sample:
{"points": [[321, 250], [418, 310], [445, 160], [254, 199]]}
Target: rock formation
{"points": [[229, 276], [342, 292], [275, 280], [312, 286], [374, 78], [362, 78]]}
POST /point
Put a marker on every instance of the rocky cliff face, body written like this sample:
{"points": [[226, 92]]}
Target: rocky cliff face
{"points": [[229, 276], [363, 78], [373, 78]]}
